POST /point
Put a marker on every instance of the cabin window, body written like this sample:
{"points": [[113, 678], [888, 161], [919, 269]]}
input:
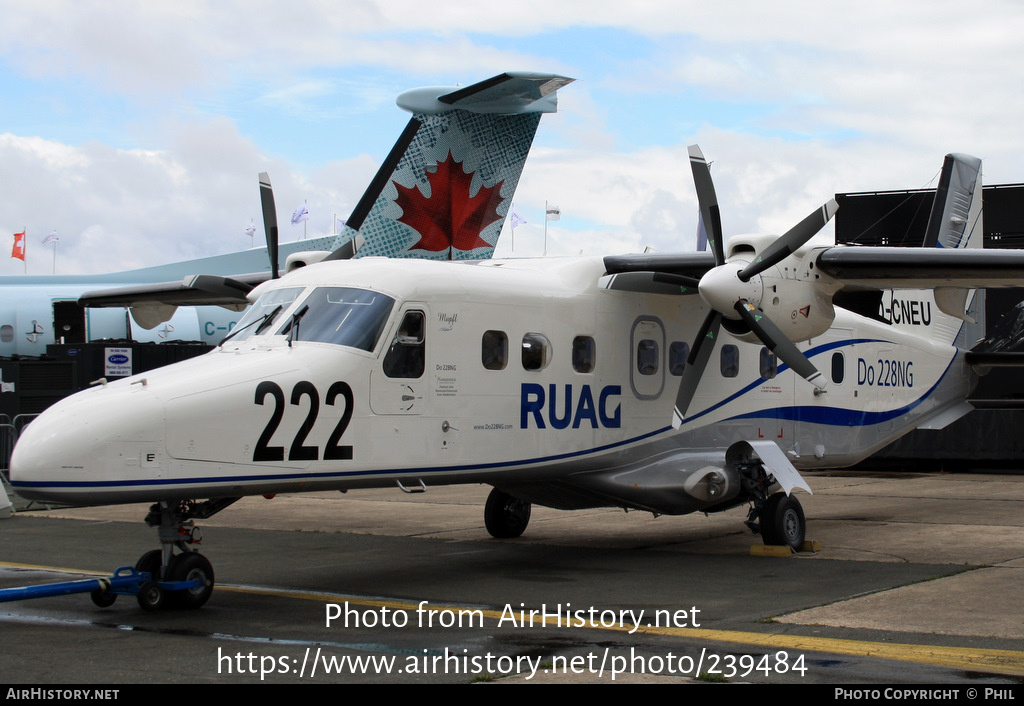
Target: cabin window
{"points": [[647, 357], [678, 352], [494, 350], [406, 357], [583, 354], [769, 366], [730, 361], [344, 316], [838, 367], [536, 351], [6, 333]]}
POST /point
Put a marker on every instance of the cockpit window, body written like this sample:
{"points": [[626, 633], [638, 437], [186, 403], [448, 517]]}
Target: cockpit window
{"points": [[262, 315], [344, 316]]}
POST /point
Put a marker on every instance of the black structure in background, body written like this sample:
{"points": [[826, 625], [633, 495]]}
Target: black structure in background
{"points": [[35, 383], [990, 436]]}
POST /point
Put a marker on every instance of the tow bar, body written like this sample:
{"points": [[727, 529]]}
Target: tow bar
{"points": [[126, 581]]}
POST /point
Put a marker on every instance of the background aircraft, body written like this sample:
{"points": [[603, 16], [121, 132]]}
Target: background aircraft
{"points": [[443, 192], [644, 382]]}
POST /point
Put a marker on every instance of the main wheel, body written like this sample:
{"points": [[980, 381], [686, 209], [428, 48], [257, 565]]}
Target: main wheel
{"points": [[782, 521], [505, 516], [191, 566]]}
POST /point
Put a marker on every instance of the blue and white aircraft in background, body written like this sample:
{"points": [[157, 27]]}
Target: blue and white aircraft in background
{"points": [[443, 192], [677, 383]]}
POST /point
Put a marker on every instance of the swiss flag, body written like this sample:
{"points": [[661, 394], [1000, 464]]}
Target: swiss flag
{"points": [[19, 246]]}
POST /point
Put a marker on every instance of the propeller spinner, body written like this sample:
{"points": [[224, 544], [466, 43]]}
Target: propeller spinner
{"points": [[733, 289]]}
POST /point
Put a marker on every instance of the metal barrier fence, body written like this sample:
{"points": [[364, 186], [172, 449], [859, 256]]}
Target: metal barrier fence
{"points": [[9, 431]]}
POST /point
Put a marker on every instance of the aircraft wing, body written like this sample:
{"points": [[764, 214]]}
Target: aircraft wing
{"points": [[152, 304], [194, 290], [922, 268], [865, 267], [692, 264]]}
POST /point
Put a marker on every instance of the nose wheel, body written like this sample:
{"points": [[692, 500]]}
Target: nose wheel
{"points": [[180, 577]]}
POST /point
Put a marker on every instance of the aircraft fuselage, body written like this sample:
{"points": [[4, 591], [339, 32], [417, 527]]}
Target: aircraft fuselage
{"points": [[516, 373]]}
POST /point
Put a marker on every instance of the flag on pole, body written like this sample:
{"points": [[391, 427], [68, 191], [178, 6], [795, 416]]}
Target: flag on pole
{"points": [[299, 215], [515, 219], [51, 238], [339, 224], [553, 213], [18, 250], [250, 229]]}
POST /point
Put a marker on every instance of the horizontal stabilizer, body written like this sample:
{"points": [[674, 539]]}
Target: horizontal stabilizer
{"points": [[509, 93], [983, 362]]}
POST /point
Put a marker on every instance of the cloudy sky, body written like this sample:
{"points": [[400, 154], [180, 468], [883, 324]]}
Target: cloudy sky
{"points": [[136, 129]]}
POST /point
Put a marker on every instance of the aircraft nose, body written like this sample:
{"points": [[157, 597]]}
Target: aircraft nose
{"points": [[89, 445]]}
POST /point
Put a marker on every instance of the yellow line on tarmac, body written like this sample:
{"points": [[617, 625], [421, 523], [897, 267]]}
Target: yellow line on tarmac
{"points": [[969, 658]]}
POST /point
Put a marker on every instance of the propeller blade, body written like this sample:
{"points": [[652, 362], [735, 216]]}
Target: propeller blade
{"points": [[778, 343], [708, 201], [703, 345], [269, 221], [789, 243]]}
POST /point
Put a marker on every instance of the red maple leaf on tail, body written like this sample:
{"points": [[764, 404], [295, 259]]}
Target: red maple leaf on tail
{"points": [[450, 218]]}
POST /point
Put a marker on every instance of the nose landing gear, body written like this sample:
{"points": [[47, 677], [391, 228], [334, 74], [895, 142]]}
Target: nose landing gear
{"points": [[182, 579]]}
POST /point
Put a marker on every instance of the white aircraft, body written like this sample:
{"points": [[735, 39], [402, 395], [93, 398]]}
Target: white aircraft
{"points": [[575, 383], [443, 192]]}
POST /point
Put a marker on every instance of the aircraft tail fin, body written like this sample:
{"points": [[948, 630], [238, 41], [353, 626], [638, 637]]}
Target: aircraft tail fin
{"points": [[955, 220], [447, 185]]}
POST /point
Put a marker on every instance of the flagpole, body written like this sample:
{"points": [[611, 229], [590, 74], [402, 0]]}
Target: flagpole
{"points": [[54, 257], [545, 228]]}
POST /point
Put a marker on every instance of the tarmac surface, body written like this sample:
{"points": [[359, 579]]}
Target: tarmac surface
{"points": [[919, 580]]}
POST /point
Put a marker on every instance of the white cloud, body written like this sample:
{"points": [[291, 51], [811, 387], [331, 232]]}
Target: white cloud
{"points": [[819, 98]]}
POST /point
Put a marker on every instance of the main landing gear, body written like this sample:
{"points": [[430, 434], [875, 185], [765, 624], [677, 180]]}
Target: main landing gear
{"points": [[180, 577], [505, 516], [778, 517], [782, 522]]}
